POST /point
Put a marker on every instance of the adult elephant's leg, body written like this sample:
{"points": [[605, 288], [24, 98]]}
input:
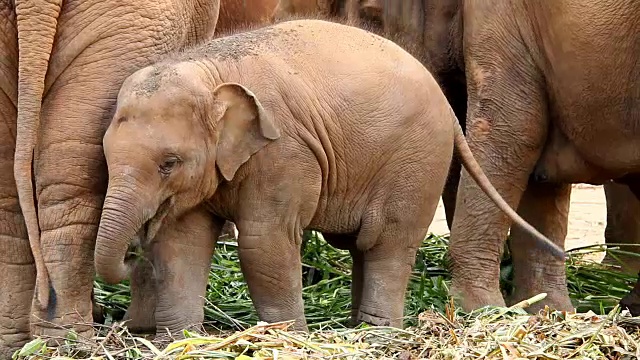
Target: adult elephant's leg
{"points": [[71, 174], [506, 130], [623, 226], [71, 180], [546, 207], [456, 94], [98, 44], [17, 269]]}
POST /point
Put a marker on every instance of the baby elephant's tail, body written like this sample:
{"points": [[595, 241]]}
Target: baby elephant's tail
{"points": [[481, 179]]}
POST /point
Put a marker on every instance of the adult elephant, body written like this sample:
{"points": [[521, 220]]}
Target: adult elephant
{"points": [[73, 56], [541, 102]]}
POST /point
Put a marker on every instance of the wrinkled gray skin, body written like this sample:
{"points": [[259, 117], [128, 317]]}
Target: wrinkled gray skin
{"points": [[532, 81], [73, 58], [263, 128]]}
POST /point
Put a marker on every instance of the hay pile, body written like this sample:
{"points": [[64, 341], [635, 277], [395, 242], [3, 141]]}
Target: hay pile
{"points": [[436, 329], [490, 333]]}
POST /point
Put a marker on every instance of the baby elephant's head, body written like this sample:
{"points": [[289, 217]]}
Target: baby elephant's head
{"points": [[174, 137]]}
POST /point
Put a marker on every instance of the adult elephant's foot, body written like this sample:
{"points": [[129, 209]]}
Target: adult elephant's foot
{"points": [[229, 231], [17, 278], [536, 271], [470, 297], [10, 341], [53, 331], [54, 325], [55, 336], [97, 311], [6, 351]]}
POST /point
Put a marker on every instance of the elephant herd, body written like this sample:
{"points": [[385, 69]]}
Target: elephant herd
{"points": [[194, 106]]}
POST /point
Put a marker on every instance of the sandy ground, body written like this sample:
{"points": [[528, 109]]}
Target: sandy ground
{"points": [[587, 217]]}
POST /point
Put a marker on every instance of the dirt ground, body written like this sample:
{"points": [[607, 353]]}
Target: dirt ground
{"points": [[587, 217]]}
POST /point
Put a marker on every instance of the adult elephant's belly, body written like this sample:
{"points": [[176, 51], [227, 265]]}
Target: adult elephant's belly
{"points": [[592, 75], [588, 149], [599, 118], [609, 142]]}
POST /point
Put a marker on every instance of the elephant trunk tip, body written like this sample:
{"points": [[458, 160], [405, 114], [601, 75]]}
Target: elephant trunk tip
{"points": [[109, 274]]}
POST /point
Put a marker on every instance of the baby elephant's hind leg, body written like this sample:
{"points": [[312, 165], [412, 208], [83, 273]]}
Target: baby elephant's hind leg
{"points": [[386, 268], [387, 264]]}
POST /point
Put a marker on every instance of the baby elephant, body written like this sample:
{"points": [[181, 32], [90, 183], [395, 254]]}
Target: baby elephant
{"points": [[306, 124]]}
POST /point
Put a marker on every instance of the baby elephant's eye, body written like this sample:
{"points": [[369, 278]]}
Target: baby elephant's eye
{"points": [[169, 165]]}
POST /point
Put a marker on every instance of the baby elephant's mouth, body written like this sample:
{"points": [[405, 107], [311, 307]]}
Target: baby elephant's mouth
{"points": [[148, 231]]}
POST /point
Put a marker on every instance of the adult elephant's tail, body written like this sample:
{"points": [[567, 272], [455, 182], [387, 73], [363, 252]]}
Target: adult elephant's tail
{"points": [[37, 21], [471, 165]]}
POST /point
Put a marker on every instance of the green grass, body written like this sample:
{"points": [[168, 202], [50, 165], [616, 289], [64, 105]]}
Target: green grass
{"points": [[326, 284]]}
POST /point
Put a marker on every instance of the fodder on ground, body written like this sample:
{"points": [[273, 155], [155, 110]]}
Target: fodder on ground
{"points": [[436, 329]]}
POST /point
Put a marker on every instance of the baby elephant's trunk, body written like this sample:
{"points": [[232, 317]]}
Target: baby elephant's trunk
{"points": [[121, 220], [474, 169]]}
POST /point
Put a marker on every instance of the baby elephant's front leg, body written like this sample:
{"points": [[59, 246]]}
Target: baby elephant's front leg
{"points": [[271, 265], [181, 259]]}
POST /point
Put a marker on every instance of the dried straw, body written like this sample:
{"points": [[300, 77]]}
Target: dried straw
{"points": [[488, 333]]}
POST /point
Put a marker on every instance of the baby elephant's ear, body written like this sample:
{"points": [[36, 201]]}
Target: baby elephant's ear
{"points": [[244, 127]]}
